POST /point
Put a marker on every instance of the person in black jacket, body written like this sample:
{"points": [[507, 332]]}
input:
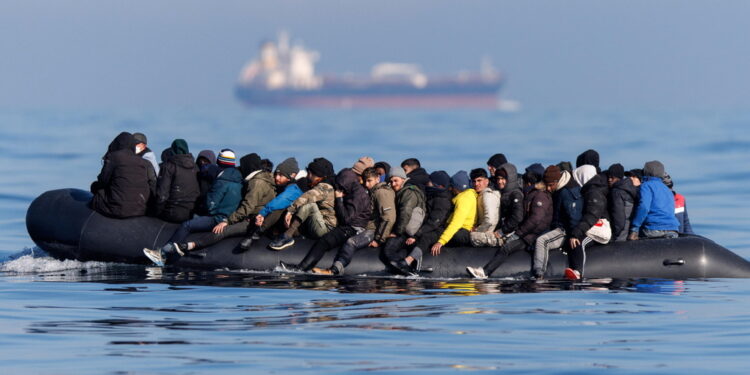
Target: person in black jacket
{"points": [[122, 188], [177, 187], [594, 190], [207, 172], [415, 174], [511, 198], [623, 196], [538, 216], [353, 208]]}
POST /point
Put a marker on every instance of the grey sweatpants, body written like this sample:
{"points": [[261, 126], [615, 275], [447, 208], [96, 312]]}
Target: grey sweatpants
{"points": [[550, 240]]}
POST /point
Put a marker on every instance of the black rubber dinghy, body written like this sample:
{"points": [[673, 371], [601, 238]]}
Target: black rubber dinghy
{"points": [[61, 223]]}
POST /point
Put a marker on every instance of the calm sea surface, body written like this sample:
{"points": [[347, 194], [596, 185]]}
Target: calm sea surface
{"points": [[98, 318]]}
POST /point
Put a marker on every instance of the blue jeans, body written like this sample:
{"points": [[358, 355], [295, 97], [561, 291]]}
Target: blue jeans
{"points": [[197, 224]]}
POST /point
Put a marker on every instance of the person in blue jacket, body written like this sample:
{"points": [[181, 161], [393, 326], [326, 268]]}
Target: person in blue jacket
{"points": [[223, 198], [284, 178], [654, 216]]}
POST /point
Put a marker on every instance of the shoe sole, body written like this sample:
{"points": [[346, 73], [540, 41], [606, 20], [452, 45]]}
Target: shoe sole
{"points": [[282, 247], [153, 258], [570, 274]]}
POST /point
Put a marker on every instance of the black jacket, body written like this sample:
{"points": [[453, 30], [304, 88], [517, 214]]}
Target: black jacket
{"points": [[511, 201], [594, 193], [418, 178], [622, 198], [122, 188], [355, 208], [177, 188], [206, 177], [439, 208], [538, 208]]}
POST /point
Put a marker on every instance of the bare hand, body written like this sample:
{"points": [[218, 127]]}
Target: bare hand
{"points": [[338, 194], [436, 249], [391, 235], [219, 228], [259, 220], [374, 244], [288, 219], [574, 242], [410, 241], [633, 236]]}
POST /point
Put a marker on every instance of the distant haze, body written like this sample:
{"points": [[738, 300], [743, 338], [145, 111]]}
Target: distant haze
{"points": [[556, 54]]}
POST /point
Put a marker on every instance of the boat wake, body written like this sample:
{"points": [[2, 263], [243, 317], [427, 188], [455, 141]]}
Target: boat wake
{"points": [[37, 261]]}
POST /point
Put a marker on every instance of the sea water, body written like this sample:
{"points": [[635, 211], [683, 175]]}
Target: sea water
{"points": [[69, 317]]}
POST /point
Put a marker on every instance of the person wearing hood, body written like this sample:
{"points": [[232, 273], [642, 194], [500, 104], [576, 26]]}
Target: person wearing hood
{"points": [[410, 204], [378, 228], [537, 218], [511, 198], [222, 201], [495, 162], [207, 172], [464, 216], [589, 157], [623, 196], [383, 169], [415, 174], [353, 210], [595, 213], [177, 186], [142, 150], [488, 210], [314, 208], [165, 155], [567, 208], [680, 208], [531, 177], [122, 188], [654, 215], [439, 207]]}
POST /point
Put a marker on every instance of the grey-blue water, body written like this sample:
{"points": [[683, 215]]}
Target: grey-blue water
{"points": [[95, 318]]}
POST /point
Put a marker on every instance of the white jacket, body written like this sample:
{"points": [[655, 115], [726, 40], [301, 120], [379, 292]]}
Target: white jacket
{"points": [[488, 210]]}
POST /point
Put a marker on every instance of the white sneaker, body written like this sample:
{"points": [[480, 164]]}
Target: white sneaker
{"points": [[155, 256], [476, 272]]}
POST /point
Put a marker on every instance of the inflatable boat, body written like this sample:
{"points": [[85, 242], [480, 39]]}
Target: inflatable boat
{"points": [[61, 223]]}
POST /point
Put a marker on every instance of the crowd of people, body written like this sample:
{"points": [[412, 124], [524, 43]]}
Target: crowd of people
{"points": [[402, 211]]}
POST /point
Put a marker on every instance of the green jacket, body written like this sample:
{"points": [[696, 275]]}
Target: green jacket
{"points": [[411, 210], [383, 211], [259, 190]]}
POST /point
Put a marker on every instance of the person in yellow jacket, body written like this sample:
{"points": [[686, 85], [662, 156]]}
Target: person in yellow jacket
{"points": [[464, 216]]}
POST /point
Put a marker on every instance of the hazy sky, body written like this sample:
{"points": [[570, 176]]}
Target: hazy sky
{"points": [[555, 54]]}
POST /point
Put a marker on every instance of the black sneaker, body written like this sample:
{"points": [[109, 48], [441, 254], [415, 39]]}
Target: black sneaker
{"points": [[402, 267], [282, 242], [180, 248]]}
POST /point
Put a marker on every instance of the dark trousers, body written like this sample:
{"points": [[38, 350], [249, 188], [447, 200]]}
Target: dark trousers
{"points": [[503, 253], [235, 230], [577, 256], [396, 249], [461, 238], [196, 224], [335, 238]]}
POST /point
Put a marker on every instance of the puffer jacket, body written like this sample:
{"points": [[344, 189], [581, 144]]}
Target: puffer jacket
{"points": [[410, 201], [259, 190], [177, 188], [225, 194], [488, 210], [464, 215], [594, 193], [439, 208], [538, 215], [383, 211], [511, 201], [322, 195], [622, 199], [355, 208], [122, 188]]}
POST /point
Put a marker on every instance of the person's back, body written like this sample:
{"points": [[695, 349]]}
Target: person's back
{"points": [[122, 188], [623, 197], [655, 212], [177, 186]]}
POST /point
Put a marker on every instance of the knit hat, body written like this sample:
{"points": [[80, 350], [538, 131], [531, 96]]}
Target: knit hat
{"points": [[397, 172], [249, 164], [226, 158], [362, 164], [477, 172], [590, 157], [552, 174], [616, 171], [565, 166], [139, 138], [287, 168], [321, 167], [460, 181], [635, 173], [534, 173], [440, 178], [180, 147], [653, 168], [497, 160]]}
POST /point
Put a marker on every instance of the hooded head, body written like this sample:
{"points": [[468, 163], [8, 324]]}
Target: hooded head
{"points": [[249, 164], [653, 168], [565, 166], [440, 178], [123, 141], [180, 147], [208, 155], [460, 181], [588, 157], [497, 160], [616, 171], [510, 173], [347, 181], [584, 173], [533, 174], [166, 154]]}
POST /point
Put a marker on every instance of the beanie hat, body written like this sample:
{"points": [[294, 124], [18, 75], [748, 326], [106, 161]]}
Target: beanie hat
{"points": [[440, 178], [460, 181], [497, 160], [362, 164], [180, 147], [653, 168], [638, 173], [321, 167], [616, 171], [288, 167], [565, 166], [249, 164], [139, 138], [226, 158], [534, 173], [477, 172], [397, 172], [552, 174], [590, 157]]}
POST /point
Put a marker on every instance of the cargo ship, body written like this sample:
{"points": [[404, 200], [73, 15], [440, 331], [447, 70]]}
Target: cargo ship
{"points": [[284, 75]]}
